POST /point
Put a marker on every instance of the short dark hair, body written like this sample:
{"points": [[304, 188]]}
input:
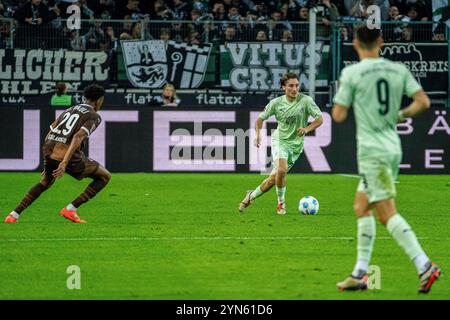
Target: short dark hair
{"points": [[60, 88], [94, 92], [367, 37], [288, 76]]}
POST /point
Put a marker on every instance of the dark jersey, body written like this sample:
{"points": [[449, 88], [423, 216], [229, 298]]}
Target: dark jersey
{"points": [[58, 139]]}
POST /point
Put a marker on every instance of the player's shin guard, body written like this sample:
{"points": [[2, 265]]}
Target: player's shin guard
{"points": [[91, 190], [406, 238], [366, 240], [29, 198]]}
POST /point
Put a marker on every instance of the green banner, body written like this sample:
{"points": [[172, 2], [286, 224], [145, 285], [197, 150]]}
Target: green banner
{"points": [[259, 66]]}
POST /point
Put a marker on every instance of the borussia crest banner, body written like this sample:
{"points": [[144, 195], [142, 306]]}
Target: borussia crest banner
{"points": [[152, 63]]}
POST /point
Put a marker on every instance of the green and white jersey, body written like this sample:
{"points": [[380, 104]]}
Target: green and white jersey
{"points": [[375, 87], [290, 117]]}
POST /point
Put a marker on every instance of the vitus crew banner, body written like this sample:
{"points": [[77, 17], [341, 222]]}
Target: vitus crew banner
{"points": [[34, 72], [259, 66], [214, 140]]}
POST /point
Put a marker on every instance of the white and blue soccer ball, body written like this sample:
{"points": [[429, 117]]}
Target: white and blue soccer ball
{"points": [[308, 205]]}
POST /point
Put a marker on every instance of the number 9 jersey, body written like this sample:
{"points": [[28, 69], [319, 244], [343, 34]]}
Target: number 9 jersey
{"points": [[375, 87], [58, 139]]}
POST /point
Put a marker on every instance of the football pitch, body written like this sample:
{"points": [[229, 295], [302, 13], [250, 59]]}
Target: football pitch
{"points": [[180, 236]]}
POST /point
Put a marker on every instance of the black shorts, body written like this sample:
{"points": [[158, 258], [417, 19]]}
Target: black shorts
{"points": [[79, 168]]}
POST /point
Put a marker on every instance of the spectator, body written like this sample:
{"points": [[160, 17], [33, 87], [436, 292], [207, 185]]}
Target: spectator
{"points": [[181, 10], [131, 9], [96, 37], [33, 18], [261, 36], [287, 36], [103, 9], [76, 42], [211, 33], [233, 14], [422, 8], [407, 33], [358, 8], [61, 98], [229, 35], [194, 37], [111, 38], [327, 13], [164, 34], [168, 97], [290, 10], [303, 14], [344, 33], [393, 32], [218, 12], [127, 29], [179, 32]]}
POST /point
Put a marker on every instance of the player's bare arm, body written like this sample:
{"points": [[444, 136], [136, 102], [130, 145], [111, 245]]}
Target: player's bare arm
{"points": [[339, 113], [258, 127], [311, 127], [420, 103], [74, 145]]}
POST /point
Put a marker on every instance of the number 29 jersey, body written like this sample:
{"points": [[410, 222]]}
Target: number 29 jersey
{"points": [[375, 87], [58, 139]]}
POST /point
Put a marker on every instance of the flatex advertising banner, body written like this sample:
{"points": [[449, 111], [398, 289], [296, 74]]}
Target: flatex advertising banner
{"points": [[214, 140]]}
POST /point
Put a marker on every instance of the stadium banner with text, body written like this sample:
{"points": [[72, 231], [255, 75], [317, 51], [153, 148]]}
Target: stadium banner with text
{"points": [[152, 63], [35, 72], [148, 98], [428, 62], [214, 140], [259, 66]]}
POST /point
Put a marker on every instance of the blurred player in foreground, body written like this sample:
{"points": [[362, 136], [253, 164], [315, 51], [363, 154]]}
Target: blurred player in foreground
{"points": [[375, 87], [62, 152], [291, 111]]}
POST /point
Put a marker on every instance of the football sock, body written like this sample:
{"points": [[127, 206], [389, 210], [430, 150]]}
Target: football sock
{"points": [[366, 239], [91, 190], [15, 215], [71, 207], [280, 194], [29, 198], [256, 193], [406, 238]]}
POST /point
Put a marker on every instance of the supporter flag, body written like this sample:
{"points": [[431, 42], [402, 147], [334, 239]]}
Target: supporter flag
{"points": [[152, 63], [441, 11]]}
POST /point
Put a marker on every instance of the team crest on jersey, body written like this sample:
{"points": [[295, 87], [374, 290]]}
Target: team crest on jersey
{"points": [[152, 63]]}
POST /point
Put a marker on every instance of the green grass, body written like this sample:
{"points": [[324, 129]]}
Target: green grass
{"points": [[179, 236]]}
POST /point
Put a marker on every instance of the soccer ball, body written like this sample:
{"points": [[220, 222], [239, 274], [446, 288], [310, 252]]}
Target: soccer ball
{"points": [[308, 205]]}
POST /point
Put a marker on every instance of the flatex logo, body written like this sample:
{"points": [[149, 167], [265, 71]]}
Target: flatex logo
{"points": [[218, 99]]}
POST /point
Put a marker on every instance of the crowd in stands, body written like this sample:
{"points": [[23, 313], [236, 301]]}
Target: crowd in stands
{"points": [[40, 23]]}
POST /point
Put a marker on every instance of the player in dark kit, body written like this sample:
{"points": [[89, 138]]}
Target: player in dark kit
{"points": [[62, 152]]}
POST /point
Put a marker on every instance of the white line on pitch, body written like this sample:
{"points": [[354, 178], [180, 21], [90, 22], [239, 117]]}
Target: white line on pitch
{"points": [[354, 176], [193, 238]]}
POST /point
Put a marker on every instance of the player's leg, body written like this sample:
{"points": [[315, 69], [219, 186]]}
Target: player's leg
{"points": [[365, 241], [101, 178], [402, 232], [251, 195], [267, 184], [281, 166], [88, 168], [46, 181]]}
